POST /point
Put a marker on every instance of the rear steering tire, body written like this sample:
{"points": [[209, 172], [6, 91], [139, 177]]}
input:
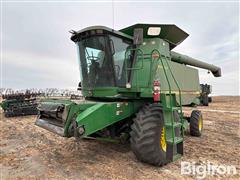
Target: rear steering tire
{"points": [[209, 99], [205, 100], [148, 141], [196, 123]]}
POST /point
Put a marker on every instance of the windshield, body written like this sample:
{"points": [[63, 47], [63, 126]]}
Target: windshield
{"points": [[102, 61]]}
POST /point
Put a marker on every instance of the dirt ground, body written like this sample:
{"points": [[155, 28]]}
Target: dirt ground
{"points": [[30, 152]]}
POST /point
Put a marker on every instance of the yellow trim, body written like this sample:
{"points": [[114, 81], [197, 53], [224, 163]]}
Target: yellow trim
{"points": [[200, 123], [183, 92], [163, 143]]}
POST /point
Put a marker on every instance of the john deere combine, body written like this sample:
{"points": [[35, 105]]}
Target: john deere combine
{"points": [[134, 87]]}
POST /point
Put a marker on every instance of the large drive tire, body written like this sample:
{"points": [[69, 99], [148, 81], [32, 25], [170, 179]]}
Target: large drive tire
{"points": [[209, 99], [148, 141], [205, 100], [196, 123]]}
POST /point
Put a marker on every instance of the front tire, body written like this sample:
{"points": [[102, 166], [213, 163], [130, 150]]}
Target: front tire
{"points": [[148, 139], [196, 123]]}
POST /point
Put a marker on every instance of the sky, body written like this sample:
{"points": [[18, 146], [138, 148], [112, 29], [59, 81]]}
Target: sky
{"points": [[36, 50]]}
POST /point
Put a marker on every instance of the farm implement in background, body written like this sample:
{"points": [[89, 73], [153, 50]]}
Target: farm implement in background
{"points": [[19, 104]]}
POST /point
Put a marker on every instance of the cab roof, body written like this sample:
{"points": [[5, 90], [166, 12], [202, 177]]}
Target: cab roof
{"points": [[169, 32], [95, 30]]}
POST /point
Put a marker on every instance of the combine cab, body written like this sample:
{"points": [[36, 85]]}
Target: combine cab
{"points": [[134, 87]]}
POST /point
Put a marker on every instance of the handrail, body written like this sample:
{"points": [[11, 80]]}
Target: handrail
{"points": [[179, 90], [141, 53], [126, 65], [170, 91]]}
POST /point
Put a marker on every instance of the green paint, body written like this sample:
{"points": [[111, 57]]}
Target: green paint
{"points": [[102, 115], [6, 103], [117, 79]]}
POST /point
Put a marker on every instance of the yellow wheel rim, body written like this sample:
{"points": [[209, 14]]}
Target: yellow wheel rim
{"points": [[163, 143], [200, 123]]}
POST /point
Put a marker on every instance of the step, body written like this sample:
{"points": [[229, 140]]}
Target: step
{"points": [[175, 125], [168, 94], [176, 156], [174, 152], [173, 108], [176, 140]]}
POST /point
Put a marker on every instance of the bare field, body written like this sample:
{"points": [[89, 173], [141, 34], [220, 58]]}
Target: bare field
{"points": [[30, 152]]}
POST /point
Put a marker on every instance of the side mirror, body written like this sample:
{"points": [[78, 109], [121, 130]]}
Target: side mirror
{"points": [[79, 86], [138, 36]]}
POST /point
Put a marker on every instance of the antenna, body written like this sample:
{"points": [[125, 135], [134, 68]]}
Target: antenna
{"points": [[113, 14]]}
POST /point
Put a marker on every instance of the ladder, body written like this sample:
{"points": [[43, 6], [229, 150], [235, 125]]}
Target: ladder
{"points": [[174, 127]]}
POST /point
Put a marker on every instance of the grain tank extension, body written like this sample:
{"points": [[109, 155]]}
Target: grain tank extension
{"points": [[134, 87]]}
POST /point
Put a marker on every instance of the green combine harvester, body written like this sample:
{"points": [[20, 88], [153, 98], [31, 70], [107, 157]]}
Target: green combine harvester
{"points": [[134, 87]]}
